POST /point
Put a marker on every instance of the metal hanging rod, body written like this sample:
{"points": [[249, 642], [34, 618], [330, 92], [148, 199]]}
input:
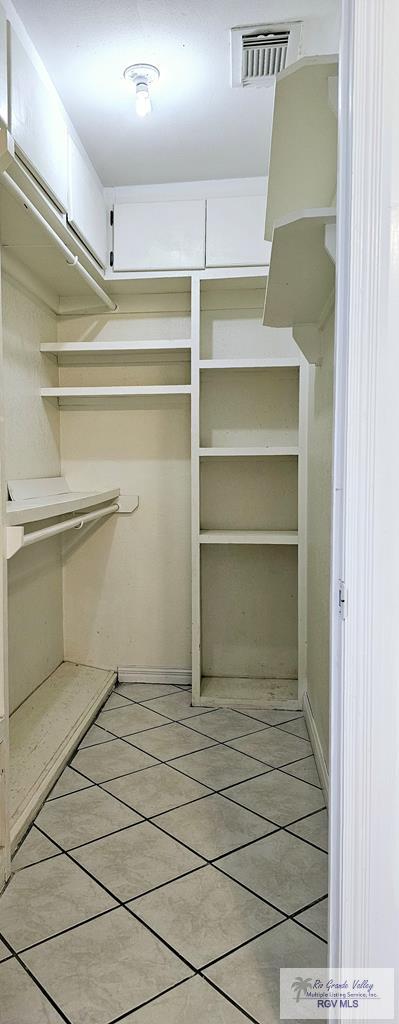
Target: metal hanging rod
{"points": [[18, 539], [71, 259]]}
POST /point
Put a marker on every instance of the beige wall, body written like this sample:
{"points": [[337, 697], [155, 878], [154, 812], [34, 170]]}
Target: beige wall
{"points": [[319, 533], [127, 582], [31, 449]]}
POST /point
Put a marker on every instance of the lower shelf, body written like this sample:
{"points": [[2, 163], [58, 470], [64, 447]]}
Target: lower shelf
{"points": [[226, 691], [275, 537], [44, 731]]}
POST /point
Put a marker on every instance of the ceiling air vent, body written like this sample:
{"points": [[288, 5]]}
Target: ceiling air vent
{"points": [[259, 52], [263, 54]]}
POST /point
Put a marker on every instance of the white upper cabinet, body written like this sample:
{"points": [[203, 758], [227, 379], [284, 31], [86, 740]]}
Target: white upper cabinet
{"points": [[37, 123], [159, 236], [234, 232], [3, 67], [86, 204]]}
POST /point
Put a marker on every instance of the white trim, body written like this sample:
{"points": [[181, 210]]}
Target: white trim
{"points": [[171, 676], [364, 926], [316, 745]]}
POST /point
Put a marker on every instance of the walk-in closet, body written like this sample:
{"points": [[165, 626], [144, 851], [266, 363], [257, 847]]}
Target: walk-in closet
{"points": [[166, 446]]}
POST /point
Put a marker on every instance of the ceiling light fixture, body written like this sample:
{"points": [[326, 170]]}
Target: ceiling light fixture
{"points": [[141, 76]]}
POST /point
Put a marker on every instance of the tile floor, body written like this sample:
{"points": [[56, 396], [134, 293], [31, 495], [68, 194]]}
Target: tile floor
{"points": [[178, 862]]}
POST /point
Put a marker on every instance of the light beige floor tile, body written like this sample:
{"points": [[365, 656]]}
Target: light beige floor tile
{"points": [[225, 724], [204, 915], [279, 797], [95, 735], [80, 817], [251, 976], [46, 898], [314, 829], [21, 1000], [4, 953], [193, 1002], [271, 717], [117, 699], [219, 766], [170, 741], [306, 770], [296, 728], [134, 718], [281, 869], [69, 782], [109, 760], [33, 849], [213, 826], [105, 968], [273, 746], [177, 706], [136, 860], [155, 790], [316, 918], [145, 691]]}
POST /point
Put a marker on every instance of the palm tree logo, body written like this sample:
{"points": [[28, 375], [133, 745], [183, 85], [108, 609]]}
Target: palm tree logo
{"points": [[300, 986]]}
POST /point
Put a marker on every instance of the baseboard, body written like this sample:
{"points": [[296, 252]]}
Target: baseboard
{"points": [[172, 676], [316, 745]]}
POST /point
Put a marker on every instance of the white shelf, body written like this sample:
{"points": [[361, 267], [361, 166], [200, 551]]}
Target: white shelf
{"points": [[228, 691], [96, 350], [303, 155], [85, 394], [32, 510], [248, 537], [45, 730], [262, 452], [301, 277], [246, 364]]}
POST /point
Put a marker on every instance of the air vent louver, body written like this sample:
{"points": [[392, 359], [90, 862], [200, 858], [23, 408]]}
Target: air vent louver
{"points": [[263, 54]]}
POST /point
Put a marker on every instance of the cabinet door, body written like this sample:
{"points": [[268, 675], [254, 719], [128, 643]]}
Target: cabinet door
{"points": [[86, 204], [235, 232], [159, 236], [3, 67], [37, 123]]}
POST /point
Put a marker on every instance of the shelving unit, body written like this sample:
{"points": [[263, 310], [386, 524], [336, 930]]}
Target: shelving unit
{"points": [[300, 213], [248, 427]]}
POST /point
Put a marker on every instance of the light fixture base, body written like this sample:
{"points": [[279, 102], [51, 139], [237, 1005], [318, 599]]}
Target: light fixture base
{"points": [[137, 73]]}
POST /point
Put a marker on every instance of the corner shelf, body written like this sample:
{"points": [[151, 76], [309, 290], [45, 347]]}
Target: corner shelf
{"points": [[79, 351], [301, 276], [275, 537], [83, 396], [259, 452], [302, 170]]}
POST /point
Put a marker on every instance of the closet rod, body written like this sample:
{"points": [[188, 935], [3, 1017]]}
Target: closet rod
{"points": [[68, 524], [71, 259]]}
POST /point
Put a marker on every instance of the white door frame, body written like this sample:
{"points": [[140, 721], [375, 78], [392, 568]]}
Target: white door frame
{"points": [[364, 769]]}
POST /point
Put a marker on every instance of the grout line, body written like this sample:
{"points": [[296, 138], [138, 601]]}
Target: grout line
{"points": [[65, 931], [42, 989], [229, 998], [89, 842], [312, 932], [246, 942], [140, 1006]]}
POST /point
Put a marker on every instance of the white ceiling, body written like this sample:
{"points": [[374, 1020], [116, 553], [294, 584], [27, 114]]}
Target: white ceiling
{"points": [[200, 126]]}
